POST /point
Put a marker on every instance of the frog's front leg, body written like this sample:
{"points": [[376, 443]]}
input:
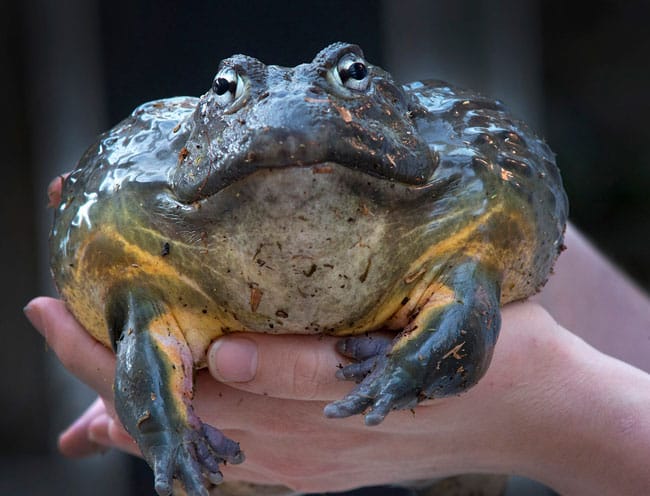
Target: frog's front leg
{"points": [[153, 394], [445, 348]]}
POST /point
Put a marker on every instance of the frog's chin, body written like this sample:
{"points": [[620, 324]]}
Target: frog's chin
{"points": [[309, 242]]}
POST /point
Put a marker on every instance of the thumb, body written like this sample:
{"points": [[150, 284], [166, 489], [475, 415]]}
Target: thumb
{"points": [[288, 367]]}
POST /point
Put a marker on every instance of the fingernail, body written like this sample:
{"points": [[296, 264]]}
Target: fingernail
{"points": [[233, 359], [33, 314]]}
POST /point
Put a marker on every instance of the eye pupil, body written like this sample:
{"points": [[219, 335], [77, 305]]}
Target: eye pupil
{"points": [[222, 85], [357, 71], [353, 72]]}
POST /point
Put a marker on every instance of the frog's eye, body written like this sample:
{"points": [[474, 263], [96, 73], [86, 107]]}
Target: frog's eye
{"points": [[227, 86], [352, 71]]}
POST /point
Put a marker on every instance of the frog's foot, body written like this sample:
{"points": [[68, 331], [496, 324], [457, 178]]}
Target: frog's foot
{"points": [[443, 351], [382, 387], [194, 460], [153, 397]]}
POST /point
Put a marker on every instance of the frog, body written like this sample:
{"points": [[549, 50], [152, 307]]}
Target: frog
{"points": [[324, 199]]}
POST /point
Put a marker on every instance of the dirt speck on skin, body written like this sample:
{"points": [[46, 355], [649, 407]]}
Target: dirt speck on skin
{"points": [[255, 297], [364, 276], [414, 276], [310, 272], [144, 417], [345, 114], [455, 352], [322, 169]]}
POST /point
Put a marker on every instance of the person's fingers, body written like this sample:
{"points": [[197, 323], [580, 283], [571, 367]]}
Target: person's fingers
{"points": [[95, 431], [291, 367], [82, 355], [304, 367], [107, 431], [54, 190], [121, 439], [75, 441]]}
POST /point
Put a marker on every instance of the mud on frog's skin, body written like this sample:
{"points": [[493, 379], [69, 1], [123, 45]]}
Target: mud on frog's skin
{"points": [[323, 198]]}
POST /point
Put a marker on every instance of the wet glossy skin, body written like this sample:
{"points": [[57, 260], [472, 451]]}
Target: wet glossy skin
{"points": [[317, 199]]}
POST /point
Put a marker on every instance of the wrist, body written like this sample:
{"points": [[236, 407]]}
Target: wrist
{"points": [[591, 427]]}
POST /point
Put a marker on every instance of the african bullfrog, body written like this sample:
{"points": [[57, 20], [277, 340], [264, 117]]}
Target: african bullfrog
{"points": [[324, 198]]}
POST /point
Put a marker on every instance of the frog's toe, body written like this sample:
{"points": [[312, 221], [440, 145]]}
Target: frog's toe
{"points": [[380, 408], [370, 353], [363, 347], [164, 472], [380, 392], [375, 394], [356, 371], [225, 448], [375, 407], [183, 464], [195, 461], [352, 404], [190, 471], [206, 457], [210, 449]]}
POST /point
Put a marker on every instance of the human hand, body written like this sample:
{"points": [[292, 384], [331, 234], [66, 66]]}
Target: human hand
{"points": [[532, 413]]}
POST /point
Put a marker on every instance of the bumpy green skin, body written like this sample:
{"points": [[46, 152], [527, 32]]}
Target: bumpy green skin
{"points": [[295, 202]]}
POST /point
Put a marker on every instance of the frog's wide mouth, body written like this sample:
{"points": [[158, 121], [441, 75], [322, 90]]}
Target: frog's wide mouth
{"points": [[205, 169], [365, 171], [284, 190]]}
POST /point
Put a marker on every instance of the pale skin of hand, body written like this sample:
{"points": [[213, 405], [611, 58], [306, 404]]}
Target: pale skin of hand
{"points": [[550, 407]]}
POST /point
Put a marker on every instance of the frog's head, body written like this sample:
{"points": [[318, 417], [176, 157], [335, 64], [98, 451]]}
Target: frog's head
{"points": [[338, 108]]}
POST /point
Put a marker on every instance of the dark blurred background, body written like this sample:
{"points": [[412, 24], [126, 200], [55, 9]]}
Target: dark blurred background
{"points": [[577, 71]]}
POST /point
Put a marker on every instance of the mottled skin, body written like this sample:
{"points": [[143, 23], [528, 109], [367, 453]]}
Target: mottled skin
{"points": [[323, 198]]}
